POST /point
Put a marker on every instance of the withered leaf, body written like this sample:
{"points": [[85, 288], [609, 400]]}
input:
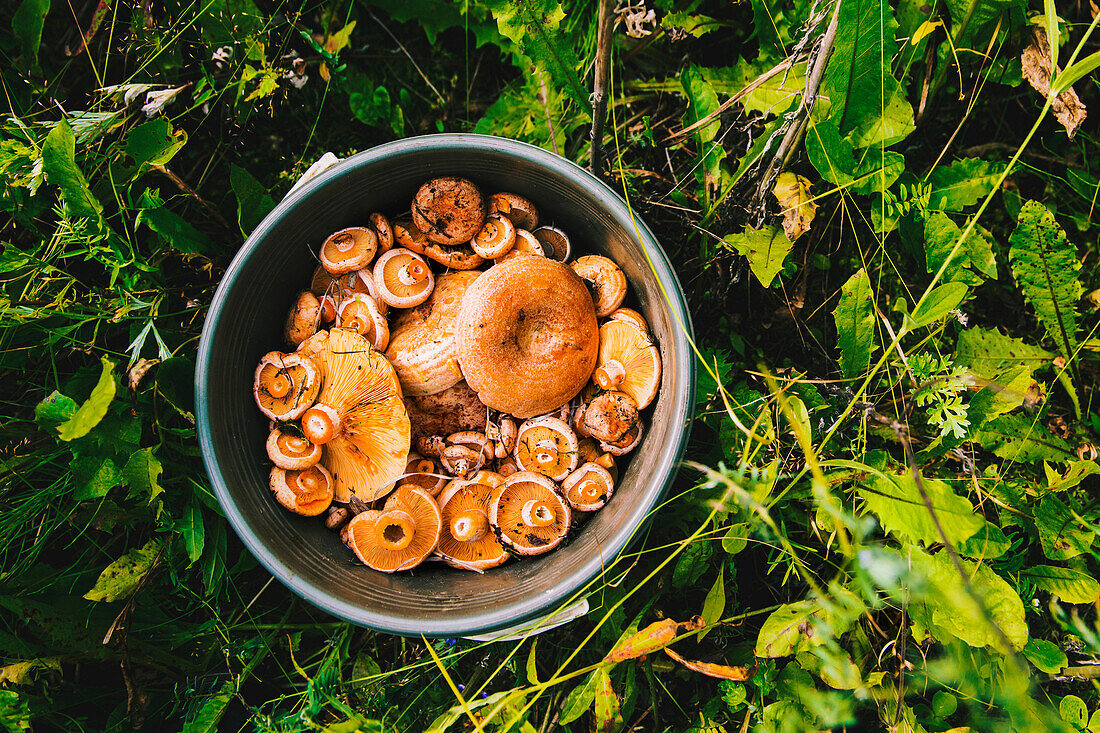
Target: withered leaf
{"points": [[793, 193], [721, 671], [652, 638], [1035, 60]]}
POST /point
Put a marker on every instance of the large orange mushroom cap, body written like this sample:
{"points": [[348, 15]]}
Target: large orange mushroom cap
{"points": [[370, 449], [285, 385], [530, 514], [628, 362], [527, 336], [467, 541], [399, 536]]}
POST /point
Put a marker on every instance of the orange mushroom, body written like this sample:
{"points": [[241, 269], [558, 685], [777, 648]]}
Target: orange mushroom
{"points": [[449, 210], [628, 362], [548, 446], [291, 452], [606, 279], [525, 244], [591, 452], [555, 243], [423, 472], [529, 513], [307, 492], [631, 316], [360, 313], [348, 249], [503, 434], [588, 488], [303, 318], [403, 278], [518, 209], [627, 443], [610, 416], [399, 536], [495, 238], [285, 385], [380, 223], [467, 541]]}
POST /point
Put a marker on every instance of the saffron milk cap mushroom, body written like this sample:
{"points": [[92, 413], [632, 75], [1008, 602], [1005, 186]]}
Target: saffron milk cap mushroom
{"points": [[529, 513], [467, 541], [399, 536], [360, 314], [449, 210], [527, 336], [291, 452], [403, 278], [380, 223], [631, 316], [303, 319], [588, 488], [627, 443], [348, 249], [519, 210], [307, 492], [423, 472], [610, 416], [555, 243], [548, 446], [285, 385], [628, 362], [607, 280], [525, 244], [495, 238]]}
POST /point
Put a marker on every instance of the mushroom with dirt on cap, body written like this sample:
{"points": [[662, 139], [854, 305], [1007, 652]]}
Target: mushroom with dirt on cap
{"points": [[548, 446], [529, 513], [610, 416], [519, 210], [400, 535], [449, 210], [467, 541], [303, 318], [285, 385]]}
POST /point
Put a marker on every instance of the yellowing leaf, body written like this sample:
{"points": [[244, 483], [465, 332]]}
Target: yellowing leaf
{"points": [[765, 250], [94, 408], [721, 671], [19, 673], [122, 577], [336, 42], [652, 638], [792, 191]]}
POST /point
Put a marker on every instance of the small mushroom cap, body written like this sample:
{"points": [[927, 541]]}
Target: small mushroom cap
{"points": [[303, 318], [467, 541], [455, 408], [527, 336], [285, 385], [403, 278], [348, 249], [591, 452], [291, 452], [588, 488], [380, 223], [632, 349], [607, 280], [610, 416], [449, 210], [631, 316], [399, 536], [495, 238], [529, 513], [360, 313], [423, 344], [628, 442], [548, 446], [507, 466], [518, 209], [307, 492], [525, 244], [475, 440], [340, 287], [419, 470], [555, 243]]}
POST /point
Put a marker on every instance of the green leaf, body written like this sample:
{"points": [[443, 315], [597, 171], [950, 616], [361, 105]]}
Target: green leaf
{"points": [[884, 128], [946, 609], [898, 505], [579, 699], [973, 262], [119, 579], [253, 200], [715, 603], [27, 23], [872, 170], [213, 708], [54, 410], [532, 664], [978, 18], [733, 695], [171, 227], [94, 408], [855, 324], [1073, 710], [1062, 535], [1075, 473], [691, 563], [1045, 266], [1072, 586], [766, 250], [154, 142], [963, 183], [938, 304], [1018, 438], [15, 712], [606, 714], [736, 538], [96, 476], [59, 163], [213, 558], [191, 527], [1045, 655], [944, 704], [991, 353], [702, 102], [987, 543], [798, 627], [142, 474]]}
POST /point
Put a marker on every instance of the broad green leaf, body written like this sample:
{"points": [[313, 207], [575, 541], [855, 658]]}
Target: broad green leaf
{"points": [[579, 699], [946, 609], [15, 712], [605, 711], [1072, 586], [883, 128], [1075, 473], [1045, 655], [1019, 438], [54, 410], [27, 23], [59, 163], [253, 201], [938, 304], [191, 527], [944, 704], [766, 250], [154, 142], [432, 16], [855, 324], [1045, 266], [736, 538], [1004, 394], [210, 713], [1062, 535], [1070, 76], [869, 170], [171, 227], [22, 673], [691, 563], [715, 603], [899, 506], [694, 24], [973, 261], [987, 543], [96, 476], [702, 102], [1073, 710], [532, 664], [142, 474], [963, 183], [119, 579], [991, 353], [978, 18], [94, 408], [801, 626]]}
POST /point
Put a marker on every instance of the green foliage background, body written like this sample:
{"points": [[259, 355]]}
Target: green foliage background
{"points": [[888, 513]]}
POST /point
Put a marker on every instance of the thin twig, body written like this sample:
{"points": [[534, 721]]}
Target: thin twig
{"points": [[182, 186], [544, 99], [408, 55], [604, 27]]}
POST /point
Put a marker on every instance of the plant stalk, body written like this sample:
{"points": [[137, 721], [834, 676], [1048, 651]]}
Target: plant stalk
{"points": [[605, 24]]}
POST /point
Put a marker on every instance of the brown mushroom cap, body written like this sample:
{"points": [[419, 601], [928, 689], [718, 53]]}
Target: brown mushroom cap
{"points": [[467, 541], [291, 452], [371, 448], [610, 416], [423, 345], [401, 535], [307, 492], [588, 488], [606, 278], [380, 223], [360, 313], [628, 362], [348, 249], [527, 336], [403, 278], [449, 210], [555, 243], [529, 513], [627, 443], [525, 244], [548, 446], [303, 318], [455, 408], [285, 385], [519, 210], [495, 238]]}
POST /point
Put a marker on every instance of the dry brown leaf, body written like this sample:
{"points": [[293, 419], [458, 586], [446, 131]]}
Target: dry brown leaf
{"points": [[1035, 60], [721, 671], [139, 370], [793, 193], [653, 637]]}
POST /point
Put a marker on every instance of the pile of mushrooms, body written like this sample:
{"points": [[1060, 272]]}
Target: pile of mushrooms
{"points": [[456, 387]]}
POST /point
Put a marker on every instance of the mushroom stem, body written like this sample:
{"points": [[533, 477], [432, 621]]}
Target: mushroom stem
{"points": [[470, 526], [321, 424], [546, 452], [279, 386], [395, 530], [344, 242], [537, 513], [412, 273], [609, 375]]}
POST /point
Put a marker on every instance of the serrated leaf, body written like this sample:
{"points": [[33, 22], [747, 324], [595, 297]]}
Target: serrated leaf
{"points": [[898, 505], [766, 250], [1045, 655], [1018, 438], [991, 353], [987, 543], [89, 414], [1062, 535], [605, 711], [59, 163], [142, 474], [27, 23], [1072, 586], [1074, 474], [119, 579], [973, 261], [579, 699], [869, 170], [855, 324], [154, 142], [963, 183], [941, 301], [1045, 266]]}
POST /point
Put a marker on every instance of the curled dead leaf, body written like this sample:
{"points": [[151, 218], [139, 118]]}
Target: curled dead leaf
{"points": [[139, 370], [792, 191], [721, 671], [652, 638], [1035, 60]]}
